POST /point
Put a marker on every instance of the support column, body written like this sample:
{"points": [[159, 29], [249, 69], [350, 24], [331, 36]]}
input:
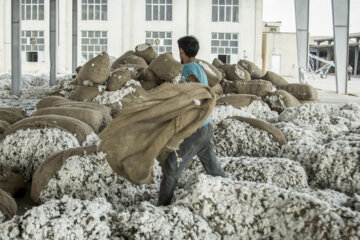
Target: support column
{"points": [[15, 48], [328, 57], [356, 62], [318, 55], [340, 9], [52, 46], [74, 35], [302, 37]]}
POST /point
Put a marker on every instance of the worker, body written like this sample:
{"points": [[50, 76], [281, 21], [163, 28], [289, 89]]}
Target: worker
{"points": [[200, 142]]}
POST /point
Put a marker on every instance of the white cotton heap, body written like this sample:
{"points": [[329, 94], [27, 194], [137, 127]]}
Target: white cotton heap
{"points": [[222, 112], [24, 150], [66, 86], [147, 221], [2, 217], [248, 210], [62, 219], [110, 97], [234, 138], [325, 140], [90, 176], [261, 111], [279, 172]]}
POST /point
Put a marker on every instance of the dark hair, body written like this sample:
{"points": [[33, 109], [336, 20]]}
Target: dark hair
{"points": [[190, 45]]}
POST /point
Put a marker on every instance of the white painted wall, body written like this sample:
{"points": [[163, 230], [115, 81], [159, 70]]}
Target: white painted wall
{"points": [[126, 27]]}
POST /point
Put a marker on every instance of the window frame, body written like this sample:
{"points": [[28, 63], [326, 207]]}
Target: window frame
{"points": [[94, 41], [89, 10], [164, 10], [26, 45], [225, 10], [28, 7], [164, 37]]}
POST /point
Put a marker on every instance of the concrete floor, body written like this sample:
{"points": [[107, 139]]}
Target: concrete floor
{"points": [[327, 89]]}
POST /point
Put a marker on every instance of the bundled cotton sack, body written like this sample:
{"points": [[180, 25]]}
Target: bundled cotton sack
{"points": [[155, 122]]}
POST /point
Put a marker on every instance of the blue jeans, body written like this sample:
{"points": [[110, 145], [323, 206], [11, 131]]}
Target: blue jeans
{"points": [[199, 143]]}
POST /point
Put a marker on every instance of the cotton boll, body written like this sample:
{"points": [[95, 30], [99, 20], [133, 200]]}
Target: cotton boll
{"points": [[90, 176], [24, 150], [236, 138], [222, 112], [248, 210], [279, 172], [66, 218], [261, 110], [146, 221]]}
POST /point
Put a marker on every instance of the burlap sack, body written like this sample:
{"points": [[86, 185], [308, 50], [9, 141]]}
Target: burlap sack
{"points": [[148, 85], [7, 204], [217, 63], [78, 69], [166, 67], [256, 87], [120, 59], [275, 79], [285, 100], [218, 89], [255, 71], [47, 170], [11, 182], [49, 101], [224, 67], [301, 91], [117, 79], [156, 122], [96, 70], [148, 75], [91, 117], [64, 102], [238, 100], [11, 115], [3, 126], [277, 134], [129, 58], [235, 72], [58, 93], [213, 75], [76, 127], [133, 68], [146, 51], [228, 86], [86, 93]]}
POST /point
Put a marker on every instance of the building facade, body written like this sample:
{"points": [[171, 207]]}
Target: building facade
{"points": [[226, 29], [279, 50]]}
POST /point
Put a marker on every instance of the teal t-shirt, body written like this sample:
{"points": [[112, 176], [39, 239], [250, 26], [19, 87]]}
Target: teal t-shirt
{"points": [[193, 68]]}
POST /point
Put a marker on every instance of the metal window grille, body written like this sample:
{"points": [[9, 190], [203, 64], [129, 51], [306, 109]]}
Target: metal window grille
{"points": [[160, 41], [159, 10], [92, 43], [225, 10], [32, 9], [224, 43], [94, 10], [32, 42]]}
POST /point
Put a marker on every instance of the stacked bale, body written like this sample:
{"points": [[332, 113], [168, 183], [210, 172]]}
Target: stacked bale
{"points": [[214, 76], [96, 70], [166, 67]]}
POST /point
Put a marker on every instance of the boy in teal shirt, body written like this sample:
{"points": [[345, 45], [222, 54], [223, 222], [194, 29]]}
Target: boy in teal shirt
{"points": [[199, 143]]}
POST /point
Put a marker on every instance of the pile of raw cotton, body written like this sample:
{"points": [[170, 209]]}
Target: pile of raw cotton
{"points": [[292, 168]]}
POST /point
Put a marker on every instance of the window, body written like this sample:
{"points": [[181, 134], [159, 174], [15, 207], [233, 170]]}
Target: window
{"points": [[94, 10], [92, 43], [32, 46], [32, 9], [225, 45], [225, 10], [160, 41], [158, 10]]}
